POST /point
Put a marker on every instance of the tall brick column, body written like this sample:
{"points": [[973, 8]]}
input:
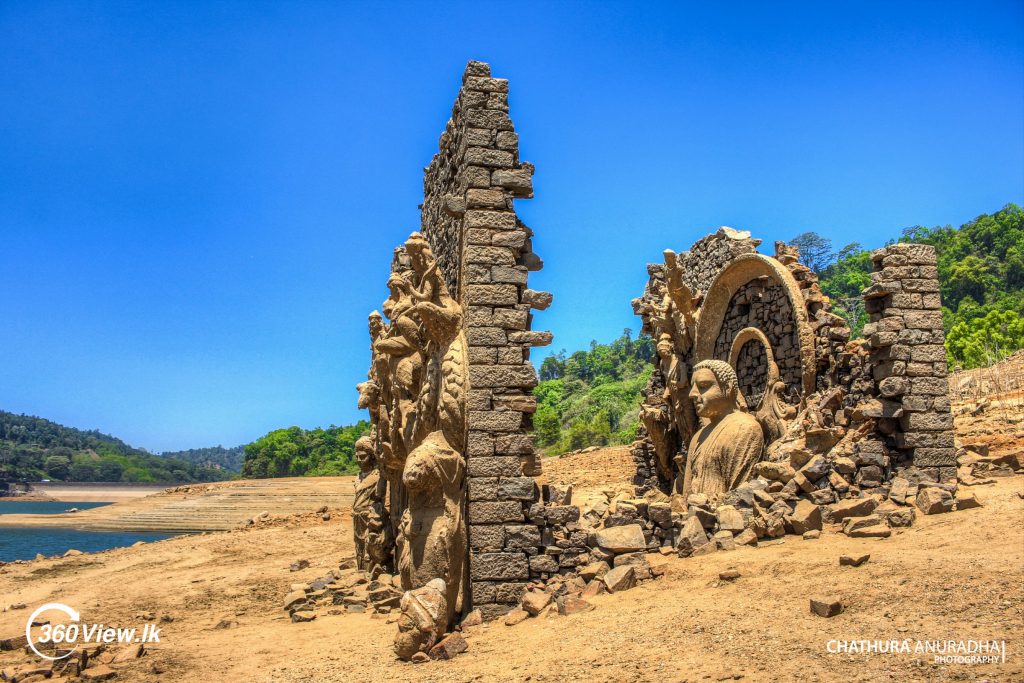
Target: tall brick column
{"points": [[486, 254], [909, 355]]}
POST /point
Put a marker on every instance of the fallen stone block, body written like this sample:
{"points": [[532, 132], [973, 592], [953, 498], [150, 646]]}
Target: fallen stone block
{"points": [[933, 500], [450, 646], [620, 578], [628, 538], [853, 561], [826, 607]]}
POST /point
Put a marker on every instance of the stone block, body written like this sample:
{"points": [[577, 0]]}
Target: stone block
{"points": [[492, 295], [495, 420], [494, 512], [507, 466], [517, 488], [486, 536], [503, 376]]}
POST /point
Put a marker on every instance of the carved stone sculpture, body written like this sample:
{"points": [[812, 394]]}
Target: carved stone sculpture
{"points": [[723, 453], [422, 620], [416, 393], [370, 523]]}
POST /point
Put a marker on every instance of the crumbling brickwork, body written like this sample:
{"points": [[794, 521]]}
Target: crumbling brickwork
{"points": [[908, 355], [468, 215], [449, 389]]}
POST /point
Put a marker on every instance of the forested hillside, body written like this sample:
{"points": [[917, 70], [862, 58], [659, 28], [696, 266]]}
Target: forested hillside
{"points": [[981, 275], [296, 452], [34, 448], [218, 457], [592, 398]]}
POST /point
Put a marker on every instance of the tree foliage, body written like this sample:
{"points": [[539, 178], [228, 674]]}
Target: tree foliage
{"points": [[34, 448], [296, 452], [592, 398]]}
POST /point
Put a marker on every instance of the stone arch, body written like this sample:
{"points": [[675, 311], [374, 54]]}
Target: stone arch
{"points": [[753, 334], [740, 271]]}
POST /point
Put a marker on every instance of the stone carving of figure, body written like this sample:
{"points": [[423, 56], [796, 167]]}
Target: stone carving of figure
{"points": [[422, 620], [432, 534], [724, 451], [371, 527]]}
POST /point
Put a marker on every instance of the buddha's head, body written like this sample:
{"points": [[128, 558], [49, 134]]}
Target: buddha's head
{"points": [[714, 389]]}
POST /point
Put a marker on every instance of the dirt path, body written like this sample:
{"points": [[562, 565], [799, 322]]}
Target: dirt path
{"points": [[202, 507], [955, 576]]}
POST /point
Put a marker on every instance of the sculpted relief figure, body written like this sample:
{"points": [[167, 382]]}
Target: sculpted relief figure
{"points": [[724, 451], [370, 523], [416, 394]]}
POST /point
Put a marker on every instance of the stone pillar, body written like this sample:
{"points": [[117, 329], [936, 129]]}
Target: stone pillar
{"points": [[469, 189], [908, 354]]}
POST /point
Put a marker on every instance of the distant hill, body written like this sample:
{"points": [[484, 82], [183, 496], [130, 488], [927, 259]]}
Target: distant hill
{"points": [[592, 397], [217, 457], [981, 276], [34, 448], [297, 452]]}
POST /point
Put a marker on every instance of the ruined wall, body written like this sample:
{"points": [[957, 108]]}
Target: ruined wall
{"points": [[875, 409], [483, 254]]}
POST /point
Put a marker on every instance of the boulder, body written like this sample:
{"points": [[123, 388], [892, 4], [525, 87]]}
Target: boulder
{"points": [[853, 561], [746, 537], [852, 507], [303, 615], [516, 616], [628, 538], [535, 601], [691, 536], [451, 645], [620, 578], [729, 575], [569, 605], [594, 570], [730, 519], [806, 517], [966, 501], [933, 500]]}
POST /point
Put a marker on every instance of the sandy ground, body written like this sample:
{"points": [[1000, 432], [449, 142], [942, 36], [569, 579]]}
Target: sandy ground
{"points": [[202, 507], [955, 576], [99, 493]]}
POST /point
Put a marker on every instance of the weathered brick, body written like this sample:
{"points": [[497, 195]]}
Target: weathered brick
{"points": [[935, 457], [486, 84], [492, 295], [513, 444], [926, 422], [488, 118], [498, 566], [495, 420], [483, 592], [483, 355], [483, 488], [486, 199], [479, 444], [486, 336], [494, 158], [504, 466], [517, 488], [490, 255], [515, 275], [510, 593], [503, 376], [511, 319], [522, 536]]}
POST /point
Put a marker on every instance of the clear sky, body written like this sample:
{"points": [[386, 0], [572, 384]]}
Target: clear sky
{"points": [[198, 201]]}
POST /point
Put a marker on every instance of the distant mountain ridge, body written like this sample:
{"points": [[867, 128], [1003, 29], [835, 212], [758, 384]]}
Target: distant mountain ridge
{"points": [[217, 457], [36, 448]]}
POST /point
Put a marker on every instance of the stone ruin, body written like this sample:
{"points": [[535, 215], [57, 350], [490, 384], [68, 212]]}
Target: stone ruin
{"points": [[447, 470], [762, 416]]}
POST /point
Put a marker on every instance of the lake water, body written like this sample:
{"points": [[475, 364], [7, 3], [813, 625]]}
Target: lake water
{"points": [[23, 543]]}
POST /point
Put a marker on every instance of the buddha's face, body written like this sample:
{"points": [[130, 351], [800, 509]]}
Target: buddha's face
{"points": [[709, 397]]}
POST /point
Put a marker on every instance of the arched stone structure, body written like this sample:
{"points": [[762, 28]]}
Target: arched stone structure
{"points": [[740, 271]]}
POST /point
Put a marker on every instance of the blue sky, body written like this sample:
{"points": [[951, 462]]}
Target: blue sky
{"points": [[198, 201]]}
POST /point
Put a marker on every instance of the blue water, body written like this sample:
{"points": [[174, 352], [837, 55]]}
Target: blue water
{"points": [[23, 543], [49, 507]]}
